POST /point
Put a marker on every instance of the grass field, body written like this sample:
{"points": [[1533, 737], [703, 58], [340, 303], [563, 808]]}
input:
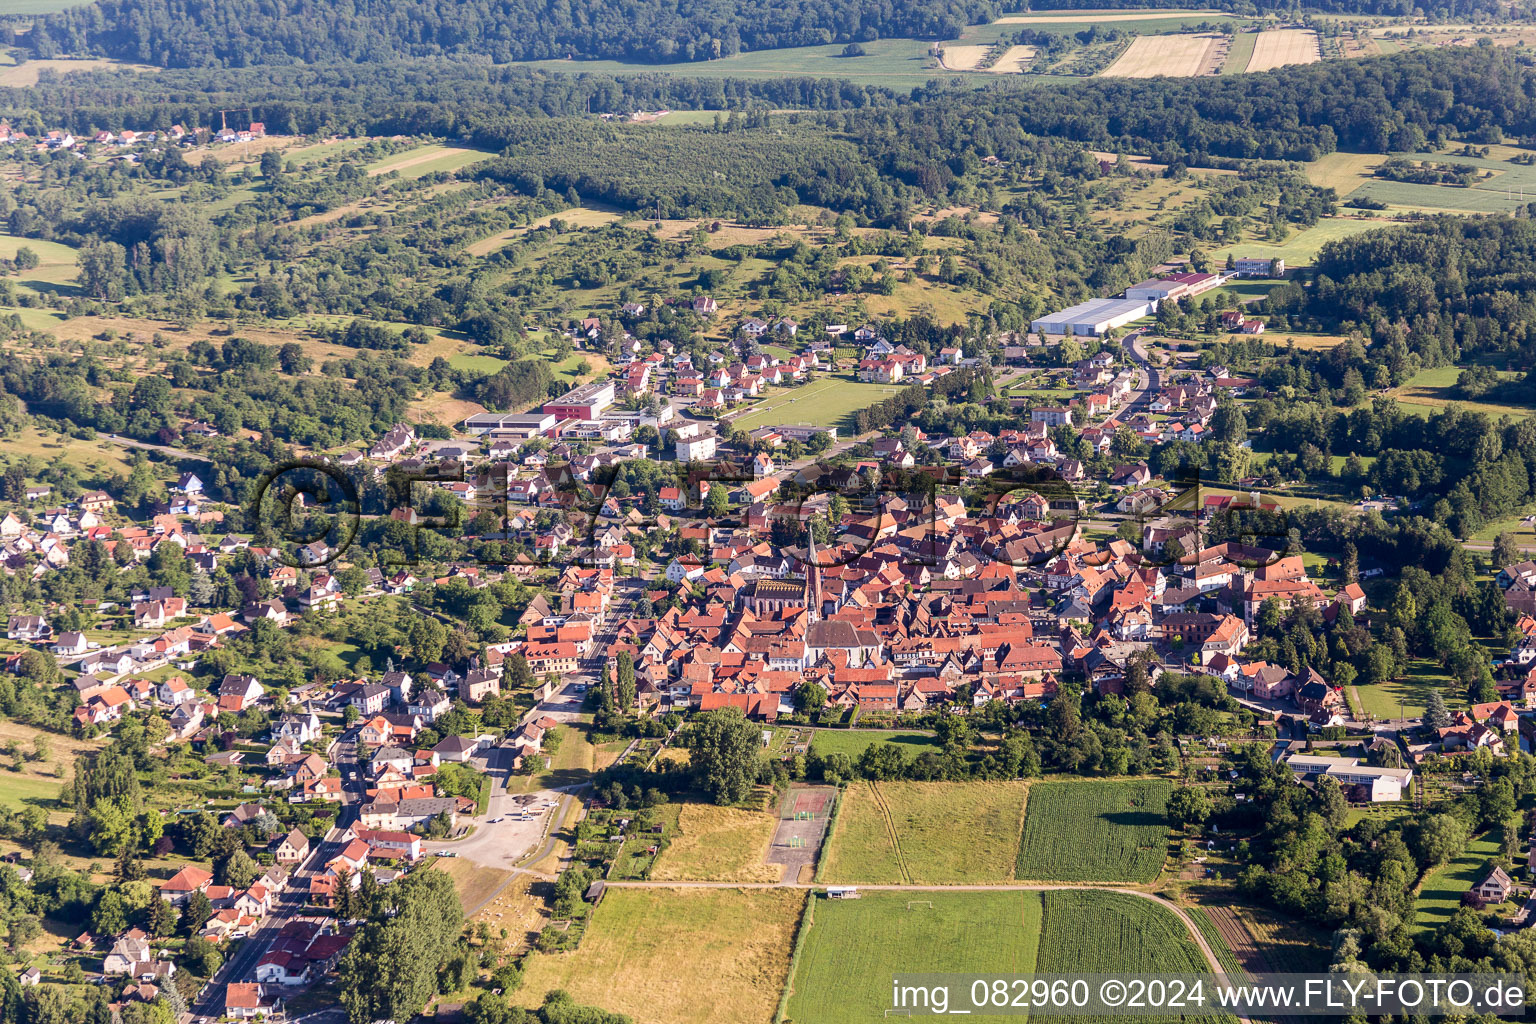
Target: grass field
{"points": [[1239, 53], [899, 63], [1301, 248], [826, 402], [1277, 48], [97, 460], [1435, 388], [852, 947], [475, 883], [718, 844], [1181, 56], [1441, 895], [926, 832], [57, 263], [854, 742], [25, 75], [424, 160], [1094, 831], [677, 956], [17, 791], [1407, 695]]}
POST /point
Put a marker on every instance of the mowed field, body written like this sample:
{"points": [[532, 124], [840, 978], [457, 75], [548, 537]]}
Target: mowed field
{"points": [[1302, 247], [932, 833], [720, 844], [1178, 56], [1094, 831], [852, 947], [678, 956], [424, 160], [854, 742], [1441, 895], [826, 402], [1276, 48]]}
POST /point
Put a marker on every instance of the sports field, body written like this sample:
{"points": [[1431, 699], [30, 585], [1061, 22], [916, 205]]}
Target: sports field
{"points": [[677, 956], [1278, 47], [852, 947], [720, 844], [826, 402], [1177, 56], [1094, 831], [932, 833]]}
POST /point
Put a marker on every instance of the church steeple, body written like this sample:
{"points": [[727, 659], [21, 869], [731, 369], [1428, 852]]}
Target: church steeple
{"points": [[812, 576]]}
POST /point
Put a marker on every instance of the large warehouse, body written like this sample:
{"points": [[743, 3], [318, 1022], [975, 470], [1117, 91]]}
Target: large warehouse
{"points": [[1093, 317]]}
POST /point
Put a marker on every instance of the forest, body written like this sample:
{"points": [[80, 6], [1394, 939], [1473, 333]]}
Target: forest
{"points": [[1398, 103], [187, 33]]}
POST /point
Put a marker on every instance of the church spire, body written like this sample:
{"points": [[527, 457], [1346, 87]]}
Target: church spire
{"points": [[812, 576]]}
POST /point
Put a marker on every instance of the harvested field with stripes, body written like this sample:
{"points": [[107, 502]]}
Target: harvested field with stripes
{"points": [[1279, 47], [1176, 56], [1013, 61], [926, 833], [959, 57]]}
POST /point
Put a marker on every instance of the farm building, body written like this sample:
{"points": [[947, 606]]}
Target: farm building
{"points": [[1385, 784], [1096, 316]]}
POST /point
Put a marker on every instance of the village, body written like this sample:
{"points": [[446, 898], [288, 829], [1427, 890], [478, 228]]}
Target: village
{"points": [[808, 596]]}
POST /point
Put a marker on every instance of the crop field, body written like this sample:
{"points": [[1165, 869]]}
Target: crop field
{"points": [[1094, 831], [926, 832], [1302, 247], [852, 947], [1431, 198], [896, 63], [853, 742], [24, 75], [958, 57], [1078, 19], [1102, 932], [1178, 56], [1276, 48], [677, 956], [826, 402], [1441, 895], [719, 844]]}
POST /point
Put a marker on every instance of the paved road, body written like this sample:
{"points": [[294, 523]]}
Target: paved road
{"points": [[175, 453], [288, 906]]}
